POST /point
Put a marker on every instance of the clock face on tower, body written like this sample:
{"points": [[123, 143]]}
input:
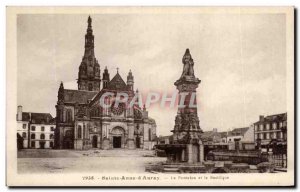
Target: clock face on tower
{"points": [[117, 110]]}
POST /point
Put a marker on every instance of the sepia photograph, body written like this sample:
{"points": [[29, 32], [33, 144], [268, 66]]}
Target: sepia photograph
{"points": [[150, 96]]}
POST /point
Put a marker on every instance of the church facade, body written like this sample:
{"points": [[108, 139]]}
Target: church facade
{"points": [[83, 123]]}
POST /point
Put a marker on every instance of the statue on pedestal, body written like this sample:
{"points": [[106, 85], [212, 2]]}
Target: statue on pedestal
{"points": [[188, 65]]}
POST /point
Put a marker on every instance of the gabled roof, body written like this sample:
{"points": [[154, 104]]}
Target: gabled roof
{"points": [[223, 134], [282, 116], [207, 135], [238, 131], [210, 135], [117, 83], [78, 96], [38, 118], [25, 116], [275, 117]]}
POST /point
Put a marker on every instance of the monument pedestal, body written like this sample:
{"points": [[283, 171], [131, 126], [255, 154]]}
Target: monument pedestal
{"points": [[130, 144], [186, 145], [105, 144]]}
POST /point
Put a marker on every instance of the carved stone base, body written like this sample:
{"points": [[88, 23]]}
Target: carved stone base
{"points": [[130, 144], [105, 144]]}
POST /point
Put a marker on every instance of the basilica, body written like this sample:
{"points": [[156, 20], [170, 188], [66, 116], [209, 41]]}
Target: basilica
{"points": [[82, 123]]}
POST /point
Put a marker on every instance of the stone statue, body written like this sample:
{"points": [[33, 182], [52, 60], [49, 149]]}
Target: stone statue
{"points": [[188, 64]]}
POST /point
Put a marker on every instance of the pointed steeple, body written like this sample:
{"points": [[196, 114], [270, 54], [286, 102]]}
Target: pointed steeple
{"points": [[89, 37], [61, 87], [61, 95], [89, 69], [89, 22]]}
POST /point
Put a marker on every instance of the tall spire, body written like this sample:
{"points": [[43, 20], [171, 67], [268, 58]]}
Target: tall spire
{"points": [[89, 22], [89, 69], [60, 95], [89, 37]]}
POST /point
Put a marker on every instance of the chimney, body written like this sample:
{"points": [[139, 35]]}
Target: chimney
{"points": [[215, 130], [19, 115], [261, 118]]}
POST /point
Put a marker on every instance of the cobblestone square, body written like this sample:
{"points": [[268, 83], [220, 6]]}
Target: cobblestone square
{"points": [[91, 161]]}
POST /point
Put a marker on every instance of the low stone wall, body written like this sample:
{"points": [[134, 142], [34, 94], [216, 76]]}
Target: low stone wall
{"points": [[249, 157], [210, 167]]}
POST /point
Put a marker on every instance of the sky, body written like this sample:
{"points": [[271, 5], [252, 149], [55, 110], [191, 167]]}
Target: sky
{"points": [[240, 60]]}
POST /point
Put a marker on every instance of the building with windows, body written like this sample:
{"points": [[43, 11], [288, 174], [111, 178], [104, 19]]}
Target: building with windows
{"points": [[244, 137], [82, 123], [35, 130], [271, 128], [243, 134]]}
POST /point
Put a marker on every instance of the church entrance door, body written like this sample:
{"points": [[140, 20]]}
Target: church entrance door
{"points": [[117, 142], [138, 142], [68, 140], [95, 140], [118, 137]]}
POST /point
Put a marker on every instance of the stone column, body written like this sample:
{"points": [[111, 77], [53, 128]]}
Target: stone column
{"points": [[75, 131], [146, 132], [130, 140], [183, 154], [61, 138], [201, 152], [146, 136], [189, 149], [105, 140], [75, 136]]}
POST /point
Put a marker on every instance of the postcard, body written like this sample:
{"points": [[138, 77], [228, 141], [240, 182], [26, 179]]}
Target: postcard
{"points": [[150, 96]]}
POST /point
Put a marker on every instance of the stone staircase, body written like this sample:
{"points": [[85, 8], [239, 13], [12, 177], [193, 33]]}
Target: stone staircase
{"points": [[170, 168]]}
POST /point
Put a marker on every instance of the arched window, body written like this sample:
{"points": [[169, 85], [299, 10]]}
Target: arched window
{"points": [[79, 130], [24, 135], [32, 136], [42, 136], [150, 134], [61, 117], [69, 115], [51, 136], [90, 87]]}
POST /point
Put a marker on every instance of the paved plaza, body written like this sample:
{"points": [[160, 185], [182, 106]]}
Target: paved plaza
{"points": [[97, 161]]}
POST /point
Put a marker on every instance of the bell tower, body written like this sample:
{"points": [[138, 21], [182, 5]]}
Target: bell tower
{"points": [[105, 78], [89, 69], [130, 81]]}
